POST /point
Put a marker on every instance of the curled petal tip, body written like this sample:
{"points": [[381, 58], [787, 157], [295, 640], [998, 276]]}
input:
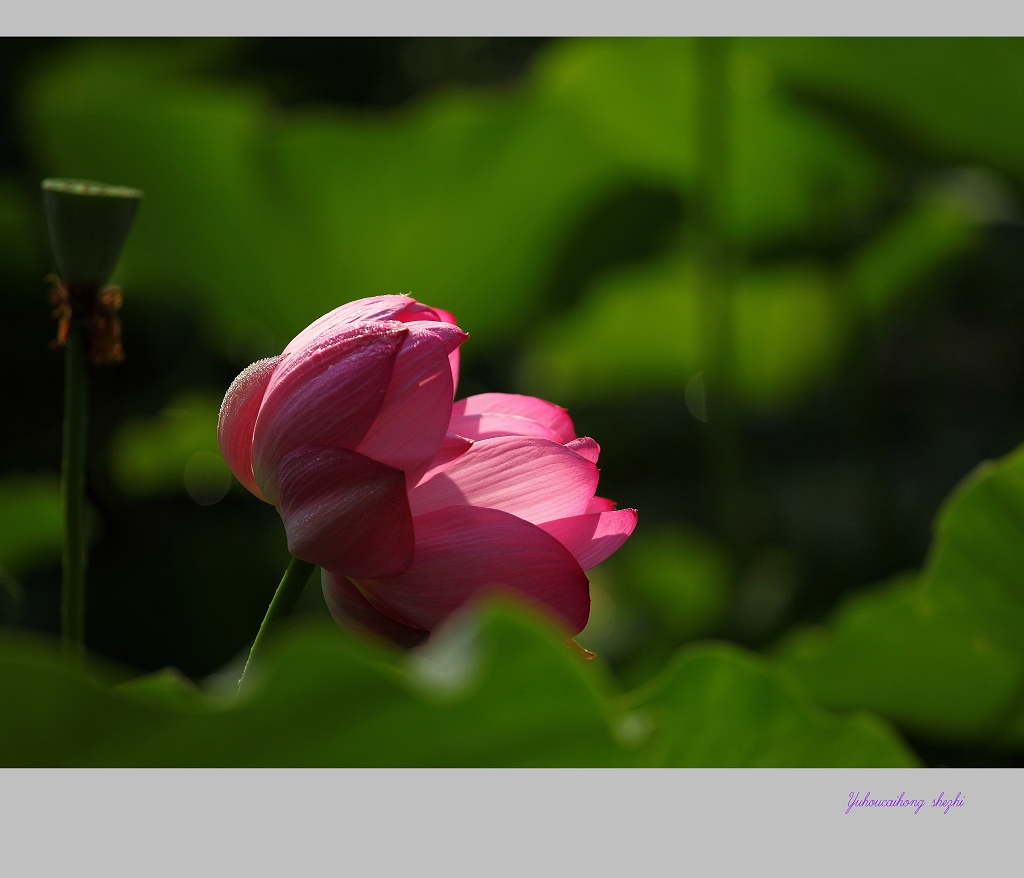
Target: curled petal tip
{"points": [[585, 447], [583, 653]]}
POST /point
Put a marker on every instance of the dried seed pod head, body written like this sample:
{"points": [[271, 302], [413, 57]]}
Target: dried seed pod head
{"points": [[88, 224]]}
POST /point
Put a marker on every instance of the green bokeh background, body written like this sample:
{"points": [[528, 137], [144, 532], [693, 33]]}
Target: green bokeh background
{"points": [[778, 280]]}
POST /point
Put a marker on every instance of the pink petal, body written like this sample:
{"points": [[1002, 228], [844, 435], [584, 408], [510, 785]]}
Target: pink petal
{"points": [[237, 419], [453, 362], [534, 479], [326, 395], [453, 357], [593, 537], [585, 447], [547, 414], [418, 311], [352, 610], [452, 447], [448, 334], [488, 425], [465, 552], [601, 504], [346, 512], [359, 311], [411, 423]]}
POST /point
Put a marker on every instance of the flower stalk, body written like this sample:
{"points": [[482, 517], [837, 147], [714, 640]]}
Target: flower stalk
{"points": [[717, 265], [88, 224], [281, 607], [72, 608]]}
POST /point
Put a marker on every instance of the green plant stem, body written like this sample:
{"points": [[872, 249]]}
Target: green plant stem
{"points": [[717, 266], [281, 607], [72, 607]]}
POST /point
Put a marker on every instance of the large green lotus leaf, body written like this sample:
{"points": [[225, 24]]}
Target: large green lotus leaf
{"points": [[262, 218], [718, 706], [953, 97], [510, 694], [643, 329], [500, 688], [789, 172], [923, 666], [976, 565], [944, 657]]}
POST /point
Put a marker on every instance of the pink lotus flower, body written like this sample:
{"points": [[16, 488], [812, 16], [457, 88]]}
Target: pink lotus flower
{"points": [[338, 428], [413, 506]]}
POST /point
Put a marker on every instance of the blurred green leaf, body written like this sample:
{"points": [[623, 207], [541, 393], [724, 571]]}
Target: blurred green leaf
{"points": [[498, 689], [789, 330], [462, 200], [950, 96], [663, 588], [791, 172], [261, 220], [642, 328], [168, 689], [937, 226], [260, 217], [794, 175], [679, 576], [636, 329], [634, 98], [31, 522], [17, 245], [716, 705], [943, 657], [177, 450]]}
